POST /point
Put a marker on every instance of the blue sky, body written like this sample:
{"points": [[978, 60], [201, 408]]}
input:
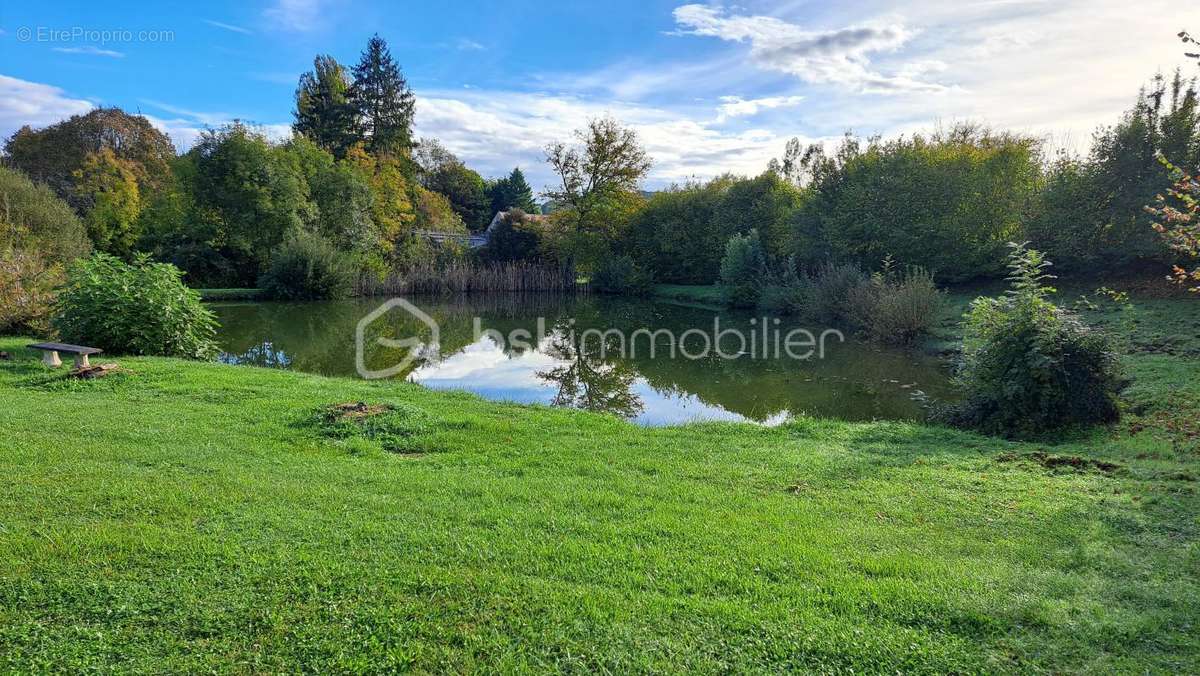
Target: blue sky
{"points": [[709, 87]]}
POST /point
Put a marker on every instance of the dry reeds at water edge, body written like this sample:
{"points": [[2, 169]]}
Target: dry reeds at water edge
{"points": [[468, 278]]}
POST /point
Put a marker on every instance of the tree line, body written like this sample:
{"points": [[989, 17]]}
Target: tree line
{"points": [[352, 192], [948, 201], [351, 182]]}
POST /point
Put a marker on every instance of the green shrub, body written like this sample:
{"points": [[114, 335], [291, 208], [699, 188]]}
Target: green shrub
{"points": [[138, 308], [1029, 366], [786, 292], [743, 269], [895, 307], [514, 238], [829, 289], [27, 283], [619, 275], [306, 267]]}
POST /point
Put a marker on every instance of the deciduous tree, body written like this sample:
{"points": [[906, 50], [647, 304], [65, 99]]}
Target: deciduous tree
{"points": [[52, 155], [595, 179], [107, 189], [325, 111]]}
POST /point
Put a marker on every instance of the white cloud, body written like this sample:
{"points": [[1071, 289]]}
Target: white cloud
{"points": [[468, 45], [736, 106], [34, 104], [294, 15], [228, 27], [90, 50], [838, 56], [493, 131]]}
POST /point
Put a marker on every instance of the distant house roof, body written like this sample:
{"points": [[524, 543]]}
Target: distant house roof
{"points": [[474, 241], [501, 214]]}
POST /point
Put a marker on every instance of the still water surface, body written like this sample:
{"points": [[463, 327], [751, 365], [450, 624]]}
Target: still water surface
{"points": [[853, 381]]}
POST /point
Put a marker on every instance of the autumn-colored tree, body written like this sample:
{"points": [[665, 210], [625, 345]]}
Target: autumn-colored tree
{"points": [[106, 187], [39, 235], [392, 206], [1177, 219], [52, 155], [441, 171]]}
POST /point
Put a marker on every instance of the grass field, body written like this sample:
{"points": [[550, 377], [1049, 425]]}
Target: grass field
{"points": [[187, 516]]}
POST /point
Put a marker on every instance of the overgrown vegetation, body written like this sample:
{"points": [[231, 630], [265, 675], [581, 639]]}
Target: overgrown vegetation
{"points": [[1178, 220], [306, 267], [743, 269], [895, 306], [947, 202], [621, 275], [140, 308], [392, 427], [39, 236], [1029, 367], [466, 277]]}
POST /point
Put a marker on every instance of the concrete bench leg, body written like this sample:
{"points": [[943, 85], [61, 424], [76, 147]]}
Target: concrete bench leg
{"points": [[50, 358], [81, 361]]}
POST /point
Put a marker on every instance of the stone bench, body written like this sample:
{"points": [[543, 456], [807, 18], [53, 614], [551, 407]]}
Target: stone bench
{"points": [[50, 353]]}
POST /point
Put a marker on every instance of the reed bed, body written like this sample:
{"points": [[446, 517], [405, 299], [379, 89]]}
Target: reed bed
{"points": [[461, 277]]}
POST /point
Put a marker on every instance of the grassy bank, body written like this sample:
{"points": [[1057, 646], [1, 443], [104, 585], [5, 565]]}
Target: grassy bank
{"points": [[187, 516], [707, 295], [229, 294]]}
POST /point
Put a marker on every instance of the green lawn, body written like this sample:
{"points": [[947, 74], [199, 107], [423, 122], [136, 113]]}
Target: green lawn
{"points": [[190, 516]]}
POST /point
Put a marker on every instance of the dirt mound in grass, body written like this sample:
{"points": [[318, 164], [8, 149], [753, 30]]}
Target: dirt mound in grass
{"points": [[395, 427], [1060, 461], [355, 410]]}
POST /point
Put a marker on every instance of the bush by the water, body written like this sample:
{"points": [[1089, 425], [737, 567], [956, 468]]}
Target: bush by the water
{"points": [[743, 269], [895, 306], [1028, 366], [134, 308], [786, 292], [306, 267], [620, 275], [891, 306], [829, 290]]}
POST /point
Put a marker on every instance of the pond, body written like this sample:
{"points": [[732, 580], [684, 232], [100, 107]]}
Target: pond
{"points": [[653, 362]]}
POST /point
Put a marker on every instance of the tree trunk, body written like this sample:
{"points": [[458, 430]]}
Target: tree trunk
{"points": [[569, 273]]}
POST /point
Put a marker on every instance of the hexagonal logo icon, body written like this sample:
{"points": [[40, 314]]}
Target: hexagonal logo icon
{"points": [[417, 347]]}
